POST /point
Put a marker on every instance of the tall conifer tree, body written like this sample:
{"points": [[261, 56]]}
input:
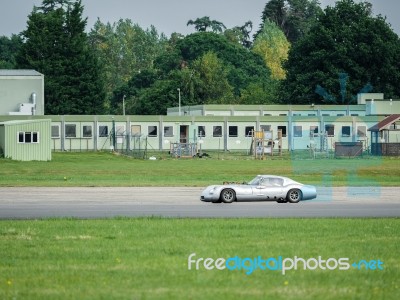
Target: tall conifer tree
{"points": [[56, 45]]}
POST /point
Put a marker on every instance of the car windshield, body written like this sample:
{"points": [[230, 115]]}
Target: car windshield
{"points": [[255, 181]]}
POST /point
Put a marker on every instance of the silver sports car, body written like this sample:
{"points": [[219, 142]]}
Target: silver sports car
{"points": [[261, 188]]}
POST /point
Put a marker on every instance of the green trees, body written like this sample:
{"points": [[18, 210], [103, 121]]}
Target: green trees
{"points": [[55, 44], [202, 24], [293, 17], [333, 55], [243, 67], [346, 41], [8, 49], [125, 50], [214, 87], [240, 34], [207, 68], [272, 45]]}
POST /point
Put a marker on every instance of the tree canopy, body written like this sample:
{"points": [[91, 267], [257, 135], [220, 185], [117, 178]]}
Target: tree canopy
{"points": [[293, 17], [55, 44], [272, 45], [204, 23], [207, 68], [346, 48], [300, 54], [125, 49], [8, 49]]}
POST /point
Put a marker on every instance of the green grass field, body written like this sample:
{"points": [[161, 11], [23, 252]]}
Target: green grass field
{"points": [[148, 258], [107, 169]]}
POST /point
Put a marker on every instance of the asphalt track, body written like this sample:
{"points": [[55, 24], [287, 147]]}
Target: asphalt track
{"points": [[87, 203]]}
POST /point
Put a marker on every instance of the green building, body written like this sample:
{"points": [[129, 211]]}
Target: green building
{"points": [[26, 140]]}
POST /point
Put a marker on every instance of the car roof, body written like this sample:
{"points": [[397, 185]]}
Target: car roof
{"points": [[273, 176], [286, 179]]}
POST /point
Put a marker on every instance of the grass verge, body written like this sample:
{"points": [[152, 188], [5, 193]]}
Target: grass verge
{"points": [[106, 169], [147, 258]]}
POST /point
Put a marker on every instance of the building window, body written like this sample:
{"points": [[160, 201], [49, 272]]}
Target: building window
{"points": [[249, 131], [217, 131], [311, 115], [87, 131], [70, 130], [326, 115], [265, 127], [168, 131], [201, 131], [330, 129], [340, 115], [346, 131], [28, 137], [361, 131], [354, 115], [297, 131], [283, 115], [152, 131], [120, 130], [103, 131], [313, 130], [55, 131], [283, 129], [136, 130], [233, 131]]}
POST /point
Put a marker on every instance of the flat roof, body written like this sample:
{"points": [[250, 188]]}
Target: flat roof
{"points": [[268, 107], [7, 72], [17, 122]]}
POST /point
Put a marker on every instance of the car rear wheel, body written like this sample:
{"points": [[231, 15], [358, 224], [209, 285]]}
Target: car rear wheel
{"points": [[228, 196], [294, 196]]}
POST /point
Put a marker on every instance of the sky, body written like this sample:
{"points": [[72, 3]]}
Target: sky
{"points": [[170, 16]]}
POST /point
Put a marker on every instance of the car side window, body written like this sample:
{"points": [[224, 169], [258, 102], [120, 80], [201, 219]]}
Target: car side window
{"points": [[271, 182], [276, 182]]}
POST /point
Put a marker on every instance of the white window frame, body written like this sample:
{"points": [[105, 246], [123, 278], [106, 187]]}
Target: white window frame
{"points": [[91, 132], [215, 127], [169, 132], [58, 132], [346, 135], [155, 128], [65, 132], [296, 130], [24, 137], [363, 131], [101, 132]]}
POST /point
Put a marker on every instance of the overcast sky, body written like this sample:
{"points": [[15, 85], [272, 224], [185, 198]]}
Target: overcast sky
{"points": [[170, 16]]}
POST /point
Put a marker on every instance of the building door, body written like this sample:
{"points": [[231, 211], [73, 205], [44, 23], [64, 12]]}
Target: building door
{"points": [[183, 134]]}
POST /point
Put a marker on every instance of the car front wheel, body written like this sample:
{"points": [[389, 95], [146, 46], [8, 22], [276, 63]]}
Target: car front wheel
{"points": [[228, 196], [294, 196]]}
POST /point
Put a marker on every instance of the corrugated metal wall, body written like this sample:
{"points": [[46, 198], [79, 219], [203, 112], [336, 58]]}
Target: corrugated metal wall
{"points": [[40, 151], [2, 140]]}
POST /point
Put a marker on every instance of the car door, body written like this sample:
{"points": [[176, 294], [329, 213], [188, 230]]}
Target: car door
{"points": [[244, 192], [267, 189]]}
